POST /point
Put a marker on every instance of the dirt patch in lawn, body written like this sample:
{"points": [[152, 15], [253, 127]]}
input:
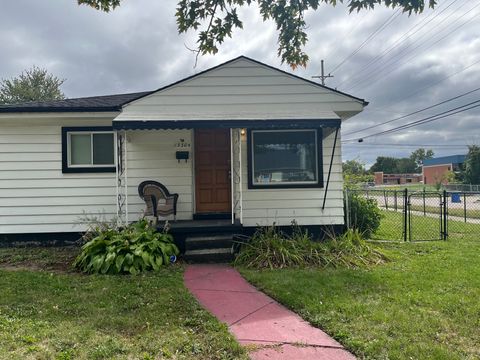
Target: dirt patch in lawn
{"points": [[54, 259]]}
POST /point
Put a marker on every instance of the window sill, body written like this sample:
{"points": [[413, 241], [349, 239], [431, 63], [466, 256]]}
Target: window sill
{"points": [[285, 186], [86, 170]]}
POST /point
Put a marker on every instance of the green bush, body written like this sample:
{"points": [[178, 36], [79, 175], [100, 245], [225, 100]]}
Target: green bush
{"points": [[272, 249], [365, 216], [133, 249]]}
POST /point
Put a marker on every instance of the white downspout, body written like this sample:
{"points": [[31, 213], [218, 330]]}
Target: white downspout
{"points": [[241, 171], [232, 190]]}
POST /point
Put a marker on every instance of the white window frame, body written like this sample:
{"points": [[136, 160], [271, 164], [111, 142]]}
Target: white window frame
{"points": [[91, 165], [283, 183]]}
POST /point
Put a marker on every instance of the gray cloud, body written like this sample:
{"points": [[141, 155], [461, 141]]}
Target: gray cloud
{"points": [[137, 48]]}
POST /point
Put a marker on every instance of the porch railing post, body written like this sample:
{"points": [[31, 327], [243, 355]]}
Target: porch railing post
{"points": [[125, 142], [121, 179]]}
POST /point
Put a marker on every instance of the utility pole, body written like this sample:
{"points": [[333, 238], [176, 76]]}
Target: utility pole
{"points": [[323, 76]]}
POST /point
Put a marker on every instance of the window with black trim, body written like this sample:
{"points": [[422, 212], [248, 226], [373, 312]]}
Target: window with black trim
{"points": [[88, 149], [285, 158]]}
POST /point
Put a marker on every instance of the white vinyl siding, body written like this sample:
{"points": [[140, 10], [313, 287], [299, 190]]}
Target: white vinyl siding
{"points": [[151, 156], [241, 90], [266, 206], [35, 196]]}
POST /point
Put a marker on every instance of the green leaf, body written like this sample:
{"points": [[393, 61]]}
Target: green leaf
{"points": [[119, 262]]}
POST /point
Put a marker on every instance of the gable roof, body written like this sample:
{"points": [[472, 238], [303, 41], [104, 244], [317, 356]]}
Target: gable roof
{"points": [[116, 102], [85, 104], [364, 103]]}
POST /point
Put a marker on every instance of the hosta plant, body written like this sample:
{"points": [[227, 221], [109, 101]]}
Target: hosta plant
{"points": [[131, 250]]}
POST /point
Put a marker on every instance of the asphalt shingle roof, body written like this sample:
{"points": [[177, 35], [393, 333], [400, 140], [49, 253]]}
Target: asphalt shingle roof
{"points": [[93, 103]]}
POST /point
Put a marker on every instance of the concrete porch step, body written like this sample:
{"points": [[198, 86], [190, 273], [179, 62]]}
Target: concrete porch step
{"points": [[209, 255], [208, 242]]}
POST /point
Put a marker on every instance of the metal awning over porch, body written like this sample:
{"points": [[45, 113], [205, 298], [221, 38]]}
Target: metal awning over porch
{"points": [[331, 122]]}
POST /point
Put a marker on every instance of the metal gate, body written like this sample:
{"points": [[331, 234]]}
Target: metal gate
{"points": [[427, 216]]}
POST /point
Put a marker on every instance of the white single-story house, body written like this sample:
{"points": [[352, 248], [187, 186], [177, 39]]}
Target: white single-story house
{"points": [[242, 141]]}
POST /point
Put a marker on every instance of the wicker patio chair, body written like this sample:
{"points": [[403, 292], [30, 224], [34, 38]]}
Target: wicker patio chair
{"points": [[158, 200]]}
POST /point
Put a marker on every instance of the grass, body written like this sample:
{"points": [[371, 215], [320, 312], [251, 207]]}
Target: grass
{"points": [[422, 305], [47, 311], [422, 227], [471, 213]]}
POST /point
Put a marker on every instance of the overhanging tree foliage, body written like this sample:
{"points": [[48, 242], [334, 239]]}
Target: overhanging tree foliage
{"points": [[220, 17], [472, 165], [421, 154], [35, 84], [412, 164]]}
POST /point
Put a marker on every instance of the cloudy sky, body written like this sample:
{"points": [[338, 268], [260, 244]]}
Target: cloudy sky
{"points": [[399, 63]]}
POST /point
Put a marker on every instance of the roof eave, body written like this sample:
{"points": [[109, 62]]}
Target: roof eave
{"points": [[42, 109]]}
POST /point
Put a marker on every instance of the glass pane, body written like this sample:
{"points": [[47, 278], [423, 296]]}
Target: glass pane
{"points": [[284, 157], [103, 150], [80, 149]]}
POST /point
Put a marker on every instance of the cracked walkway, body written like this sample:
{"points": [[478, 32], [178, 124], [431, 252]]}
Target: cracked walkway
{"points": [[272, 331]]}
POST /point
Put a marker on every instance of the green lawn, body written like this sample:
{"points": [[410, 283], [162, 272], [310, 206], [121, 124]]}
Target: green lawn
{"points": [[424, 304], [458, 212], [47, 311], [422, 228]]}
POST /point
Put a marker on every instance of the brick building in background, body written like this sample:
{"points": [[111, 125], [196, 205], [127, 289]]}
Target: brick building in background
{"points": [[397, 179], [435, 170]]}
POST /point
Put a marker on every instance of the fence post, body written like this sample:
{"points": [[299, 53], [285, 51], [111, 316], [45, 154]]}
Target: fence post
{"points": [[395, 200], [347, 209], [445, 215], [424, 212], [385, 199], [405, 214], [465, 206]]}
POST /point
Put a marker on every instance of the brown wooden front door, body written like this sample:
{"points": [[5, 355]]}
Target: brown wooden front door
{"points": [[212, 171]]}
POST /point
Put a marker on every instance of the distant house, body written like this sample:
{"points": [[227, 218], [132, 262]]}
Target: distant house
{"points": [[435, 170], [396, 179]]}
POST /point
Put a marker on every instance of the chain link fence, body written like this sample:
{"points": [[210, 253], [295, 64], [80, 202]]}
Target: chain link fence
{"points": [[462, 187], [420, 215]]}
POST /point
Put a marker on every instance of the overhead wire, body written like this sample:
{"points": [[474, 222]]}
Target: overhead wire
{"points": [[428, 86], [400, 41], [414, 112], [428, 119], [385, 24], [409, 145], [379, 73]]}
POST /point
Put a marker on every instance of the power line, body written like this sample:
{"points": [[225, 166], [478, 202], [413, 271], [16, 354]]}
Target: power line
{"points": [[439, 116], [409, 145], [399, 41], [370, 37], [435, 83], [357, 24], [377, 73], [415, 112]]}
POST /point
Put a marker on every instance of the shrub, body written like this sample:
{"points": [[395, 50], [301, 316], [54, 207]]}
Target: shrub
{"points": [[133, 249], [270, 248], [365, 216]]}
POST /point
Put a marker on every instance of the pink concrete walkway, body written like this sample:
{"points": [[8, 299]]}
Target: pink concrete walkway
{"points": [[256, 319]]}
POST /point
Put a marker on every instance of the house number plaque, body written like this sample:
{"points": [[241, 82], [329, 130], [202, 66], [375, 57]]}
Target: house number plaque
{"points": [[181, 144]]}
